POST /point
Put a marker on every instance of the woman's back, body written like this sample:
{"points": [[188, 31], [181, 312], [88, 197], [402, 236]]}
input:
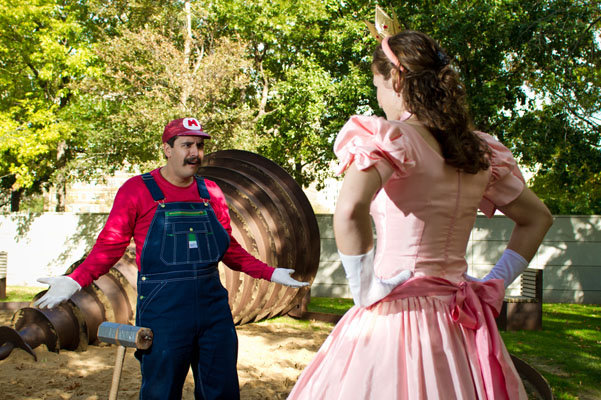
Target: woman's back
{"points": [[426, 209]]}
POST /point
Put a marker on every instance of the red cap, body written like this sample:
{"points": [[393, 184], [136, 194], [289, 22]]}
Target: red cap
{"points": [[183, 127]]}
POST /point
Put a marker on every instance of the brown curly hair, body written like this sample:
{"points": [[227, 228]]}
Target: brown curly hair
{"points": [[432, 91]]}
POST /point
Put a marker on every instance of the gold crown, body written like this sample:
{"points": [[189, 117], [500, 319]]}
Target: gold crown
{"points": [[385, 26]]}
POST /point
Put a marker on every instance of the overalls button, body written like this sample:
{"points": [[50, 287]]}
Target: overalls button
{"points": [[141, 297], [191, 229], [143, 278]]}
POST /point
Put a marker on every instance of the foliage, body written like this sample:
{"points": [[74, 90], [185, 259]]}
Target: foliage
{"points": [[86, 87], [530, 68], [532, 73], [86, 111], [146, 83], [152, 74], [43, 50], [262, 76], [310, 73]]}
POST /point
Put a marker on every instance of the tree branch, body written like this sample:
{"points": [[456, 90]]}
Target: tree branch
{"points": [[573, 111], [264, 93]]}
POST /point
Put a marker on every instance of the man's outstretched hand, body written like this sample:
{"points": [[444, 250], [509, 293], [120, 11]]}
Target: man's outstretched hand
{"points": [[282, 276], [61, 289]]}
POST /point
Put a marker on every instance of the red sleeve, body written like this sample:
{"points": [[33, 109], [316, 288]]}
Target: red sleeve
{"points": [[236, 257], [112, 240]]}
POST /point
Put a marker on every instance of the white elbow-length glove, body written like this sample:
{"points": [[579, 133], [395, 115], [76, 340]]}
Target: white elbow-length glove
{"points": [[61, 289], [509, 267], [282, 276], [365, 287]]}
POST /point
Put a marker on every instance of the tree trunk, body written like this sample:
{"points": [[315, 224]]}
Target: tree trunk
{"points": [[61, 184], [187, 50], [15, 199], [61, 195]]}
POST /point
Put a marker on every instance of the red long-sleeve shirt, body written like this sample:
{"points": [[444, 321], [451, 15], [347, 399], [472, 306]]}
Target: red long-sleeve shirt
{"points": [[131, 215]]}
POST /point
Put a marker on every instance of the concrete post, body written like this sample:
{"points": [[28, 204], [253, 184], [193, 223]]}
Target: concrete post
{"points": [[3, 264]]}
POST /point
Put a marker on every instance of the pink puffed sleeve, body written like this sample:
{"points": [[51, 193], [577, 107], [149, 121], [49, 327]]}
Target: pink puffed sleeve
{"points": [[367, 141], [506, 181]]}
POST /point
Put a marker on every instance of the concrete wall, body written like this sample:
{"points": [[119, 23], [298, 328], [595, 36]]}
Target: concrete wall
{"points": [[47, 244]]}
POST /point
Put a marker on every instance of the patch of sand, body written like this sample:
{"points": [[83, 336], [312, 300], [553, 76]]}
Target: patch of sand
{"points": [[271, 356]]}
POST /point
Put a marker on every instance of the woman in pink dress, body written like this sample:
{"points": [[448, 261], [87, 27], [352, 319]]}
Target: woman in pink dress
{"points": [[421, 328]]}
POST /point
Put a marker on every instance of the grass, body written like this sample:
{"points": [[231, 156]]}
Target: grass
{"points": [[567, 352], [21, 293], [329, 305]]}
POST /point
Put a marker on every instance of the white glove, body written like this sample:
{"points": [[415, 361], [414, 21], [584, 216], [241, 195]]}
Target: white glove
{"points": [[509, 267], [472, 278], [61, 289], [365, 287], [282, 276]]}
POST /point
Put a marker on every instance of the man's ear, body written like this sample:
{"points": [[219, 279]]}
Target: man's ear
{"points": [[167, 150]]}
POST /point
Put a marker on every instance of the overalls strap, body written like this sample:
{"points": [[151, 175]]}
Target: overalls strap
{"points": [[153, 187], [157, 193], [202, 188]]}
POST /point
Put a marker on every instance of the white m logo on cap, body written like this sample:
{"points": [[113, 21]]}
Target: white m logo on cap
{"points": [[192, 124]]}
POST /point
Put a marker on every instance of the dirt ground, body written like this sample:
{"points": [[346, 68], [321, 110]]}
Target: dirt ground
{"points": [[270, 359]]}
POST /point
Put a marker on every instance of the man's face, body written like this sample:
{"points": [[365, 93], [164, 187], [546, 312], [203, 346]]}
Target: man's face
{"points": [[185, 156]]}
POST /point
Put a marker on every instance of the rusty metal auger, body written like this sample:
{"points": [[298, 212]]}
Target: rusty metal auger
{"points": [[270, 216]]}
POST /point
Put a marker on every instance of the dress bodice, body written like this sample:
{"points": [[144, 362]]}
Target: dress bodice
{"points": [[426, 208]]}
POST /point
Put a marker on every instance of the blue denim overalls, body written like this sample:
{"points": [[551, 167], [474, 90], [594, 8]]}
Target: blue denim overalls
{"points": [[181, 298]]}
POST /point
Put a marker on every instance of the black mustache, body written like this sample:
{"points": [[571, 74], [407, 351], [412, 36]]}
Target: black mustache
{"points": [[192, 161]]}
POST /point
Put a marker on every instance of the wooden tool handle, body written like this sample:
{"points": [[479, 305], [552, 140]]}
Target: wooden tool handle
{"points": [[117, 373]]}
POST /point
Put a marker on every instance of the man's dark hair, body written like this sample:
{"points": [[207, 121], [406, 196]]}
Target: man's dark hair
{"points": [[171, 141]]}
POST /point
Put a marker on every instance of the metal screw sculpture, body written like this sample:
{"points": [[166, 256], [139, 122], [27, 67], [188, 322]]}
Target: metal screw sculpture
{"points": [[271, 218]]}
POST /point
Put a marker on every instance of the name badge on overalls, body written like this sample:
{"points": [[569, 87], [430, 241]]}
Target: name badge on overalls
{"points": [[192, 243]]}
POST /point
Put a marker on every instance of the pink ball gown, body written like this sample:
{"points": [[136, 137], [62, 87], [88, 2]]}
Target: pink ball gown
{"points": [[434, 336]]}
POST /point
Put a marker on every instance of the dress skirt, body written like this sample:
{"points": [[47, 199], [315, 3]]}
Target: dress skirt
{"points": [[415, 347]]}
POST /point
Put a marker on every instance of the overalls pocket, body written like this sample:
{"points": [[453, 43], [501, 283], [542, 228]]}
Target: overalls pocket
{"points": [[162, 296], [147, 292], [188, 238]]}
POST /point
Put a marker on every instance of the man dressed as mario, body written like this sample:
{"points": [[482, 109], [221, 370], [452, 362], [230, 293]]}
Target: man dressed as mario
{"points": [[181, 228]]}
